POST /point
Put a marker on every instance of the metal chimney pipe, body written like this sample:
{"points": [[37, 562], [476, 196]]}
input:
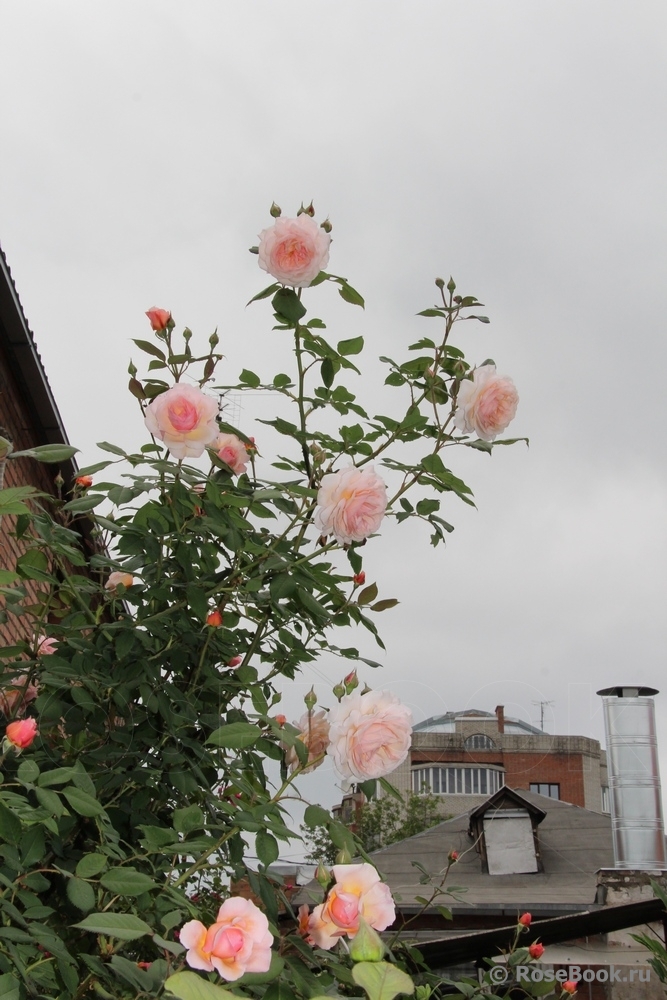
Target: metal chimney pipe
{"points": [[634, 778]]}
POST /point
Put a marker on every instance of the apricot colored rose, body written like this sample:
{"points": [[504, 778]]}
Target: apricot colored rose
{"points": [[487, 404], [294, 251], [116, 578], [314, 732], [369, 734], [238, 942], [184, 418], [84, 481], [358, 892], [350, 504], [231, 450], [536, 950], [21, 733], [159, 318]]}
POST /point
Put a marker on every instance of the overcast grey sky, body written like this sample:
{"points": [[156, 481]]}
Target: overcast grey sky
{"points": [[519, 146]]}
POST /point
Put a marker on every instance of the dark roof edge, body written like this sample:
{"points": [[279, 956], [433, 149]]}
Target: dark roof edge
{"points": [[28, 369], [487, 944]]}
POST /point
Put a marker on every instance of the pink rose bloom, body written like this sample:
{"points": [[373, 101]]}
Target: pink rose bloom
{"points": [[21, 734], [117, 578], [184, 418], [358, 892], [238, 942], [350, 504], [294, 251], [232, 451], [159, 318], [46, 646], [17, 695], [486, 405], [314, 727], [370, 734]]}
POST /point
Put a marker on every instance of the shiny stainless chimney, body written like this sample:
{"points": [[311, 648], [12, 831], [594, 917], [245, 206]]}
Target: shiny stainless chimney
{"points": [[634, 778]]}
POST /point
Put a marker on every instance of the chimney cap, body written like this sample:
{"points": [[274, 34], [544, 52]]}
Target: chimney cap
{"points": [[627, 691]]}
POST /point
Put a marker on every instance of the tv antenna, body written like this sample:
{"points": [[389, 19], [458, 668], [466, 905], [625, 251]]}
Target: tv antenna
{"points": [[543, 705]]}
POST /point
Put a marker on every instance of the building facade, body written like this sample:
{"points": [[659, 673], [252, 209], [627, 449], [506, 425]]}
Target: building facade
{"points": [[464, 757]]}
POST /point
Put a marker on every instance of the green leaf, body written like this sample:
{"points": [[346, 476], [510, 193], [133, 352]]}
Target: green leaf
{"points": [[394, 378], [433, 312], [50, 801], [368, 594], [124, 926], [390, 602], [316, 816], [264, 294], [235, 736], [327, 372], [11, 499], [190, 986], [288, 305], [391, 790], [381, 981], [188, 819], [127, 882], [81, 894], [82, 504], [91, 865], [249, 378], [427, 506], [47, 452], [9, 988], [10, 825], [82, 803], [369, 788], [27, 771], [354, 345], [105, 446], [148, 348], [350, 294], [266, 847]]}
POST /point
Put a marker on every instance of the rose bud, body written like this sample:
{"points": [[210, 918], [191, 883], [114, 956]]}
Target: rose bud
{"points": [[159, 318], [310, 699], [84, 481], [359, 579], [214, 618], [525, 919], [570, 987], [452, 857], [322, 875], [338, 691], [46, 646], [351, 681], [536, 950], [235, 661], [21, 733], [366, 945], [281, 720], [116, 579], [344, 857]]}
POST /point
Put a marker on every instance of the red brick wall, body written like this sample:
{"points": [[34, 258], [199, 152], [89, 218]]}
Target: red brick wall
{"points": [[15, 418], [521, 769]]}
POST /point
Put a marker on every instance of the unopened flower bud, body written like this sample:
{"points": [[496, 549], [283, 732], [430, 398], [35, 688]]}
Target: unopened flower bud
{"points": [[451, 285], [351, 682], [344, 857], [158, 318], [187, 334], [310, 699], [422, 992], [452, 857], [59, 481], [214, 618], [366, 945], [359, 579], [214, 340], [440, 283], [326, 226], [570, 987], [338, 691], [366, 690], [323, 876], [525, 920], [458, 299], [275, 210], [84, 481], [281, 720], [536, 950]]}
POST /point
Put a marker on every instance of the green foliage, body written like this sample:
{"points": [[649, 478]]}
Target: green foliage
{"points": [[134, 809]]}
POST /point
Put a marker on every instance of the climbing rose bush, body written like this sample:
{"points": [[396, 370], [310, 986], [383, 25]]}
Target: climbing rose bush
{"points": [[148, 772]]}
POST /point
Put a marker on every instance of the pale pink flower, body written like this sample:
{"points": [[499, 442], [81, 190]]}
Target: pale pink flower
{"points": [[184, 418], [358, 892], [17, 694], [46, 646], [117, 578], [487, 404], [350, 504], [231, 450], [159, 318], [370, 734], [294, 251], [21, 733], [314, 732], [238, 942]]}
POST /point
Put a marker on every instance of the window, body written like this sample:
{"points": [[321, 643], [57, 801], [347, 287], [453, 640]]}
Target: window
{"points": [[457, 780], [478, 741], [552, 791], [605, 799]]}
